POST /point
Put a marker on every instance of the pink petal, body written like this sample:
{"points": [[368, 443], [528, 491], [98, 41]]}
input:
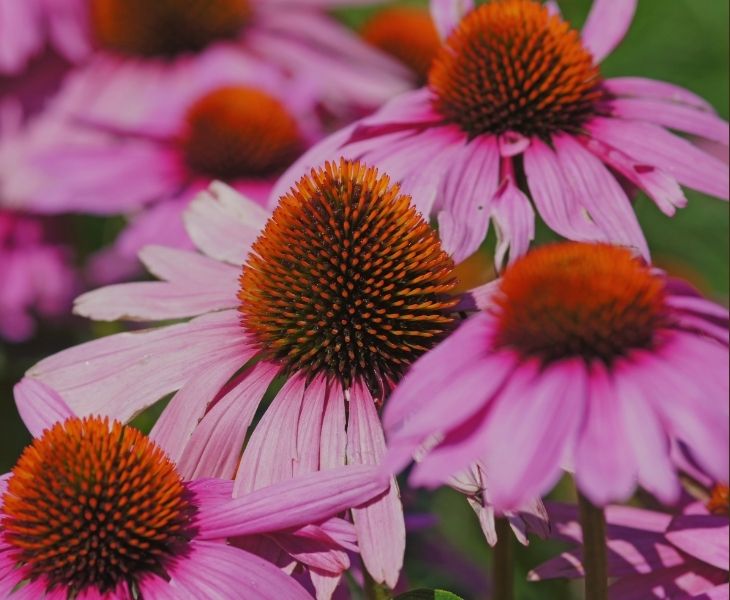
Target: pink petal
{"points": [[315, 553], [152, 301], [293, 503], [224, 224], [446, 14], [468, 188], [514, 221], [309, 431], [272, 449], [606, 25], [539, 413], [217, 442], [652, 145], [121, 375], [661, 187], [641, 87], [605, 466], [380, 525], [215, 570], [181, 416], [703, 536], [602, 196], [39, 406], [694, 378], [333, 445], [554, 198], [421, 404], [647, 439], [675, 116]]}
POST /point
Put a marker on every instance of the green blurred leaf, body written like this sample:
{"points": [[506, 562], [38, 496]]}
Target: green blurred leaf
{"points": [[424, 594]]}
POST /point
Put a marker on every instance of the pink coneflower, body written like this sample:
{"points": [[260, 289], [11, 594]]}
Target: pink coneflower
{"points": [[234, 120], [584, 357], [139, 44], [516, 108], [339, 291], [94, 509], [38, 278], [655, 554], [30, 27]]}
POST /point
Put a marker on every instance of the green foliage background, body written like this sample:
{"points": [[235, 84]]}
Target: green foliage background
{"points": [[682, 41]]}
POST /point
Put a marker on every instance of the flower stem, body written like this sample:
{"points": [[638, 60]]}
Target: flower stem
{"points": [[503, 562], [593, 522], [374, 590]]}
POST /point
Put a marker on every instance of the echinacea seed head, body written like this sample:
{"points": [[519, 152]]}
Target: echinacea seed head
{"points": [[511, 66], [94, 505], [347, 280], [593, 301]]}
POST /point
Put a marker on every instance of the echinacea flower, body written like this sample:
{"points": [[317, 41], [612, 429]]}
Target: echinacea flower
{"points": [[655, 554], [516, 109], [29, 27], [139, 45], [338, 291], [583, 357], [37, 274], [94, 509], [234, 120]]}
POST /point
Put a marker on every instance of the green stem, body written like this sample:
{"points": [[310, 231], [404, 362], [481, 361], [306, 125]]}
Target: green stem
{"points": [[374, 590], [593, 522], [503, 568]]}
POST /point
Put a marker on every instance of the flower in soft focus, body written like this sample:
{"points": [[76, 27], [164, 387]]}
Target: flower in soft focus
{"points": [[235, 121], [408, 34], [28, 28], [93, 509], [139, 45], [531, 517], [516, 108], [655, 554], [584, 358], [338, 291], [36, 271]]}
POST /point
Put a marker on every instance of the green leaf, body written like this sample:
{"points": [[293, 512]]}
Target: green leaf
{"points": [[424, 594]]}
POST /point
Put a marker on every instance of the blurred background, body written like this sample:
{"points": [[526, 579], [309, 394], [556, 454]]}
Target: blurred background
{"points": [[680, 41]]}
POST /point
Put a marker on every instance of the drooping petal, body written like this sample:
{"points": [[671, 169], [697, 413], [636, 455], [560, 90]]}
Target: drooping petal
{"points": [[675, 116], [468, 188], [181, 416], [333, 445], [554, 197], [216, 444], [648, 440], [380, 525], [272, 449], [539, 415], [605, 466], [606, 25], [514, 221], [641, 87], [659, 185], [652, 145], [604, 199]]}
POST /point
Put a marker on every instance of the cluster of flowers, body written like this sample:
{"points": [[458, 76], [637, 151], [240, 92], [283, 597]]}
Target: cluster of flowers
{"points": [[305, 198]]}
